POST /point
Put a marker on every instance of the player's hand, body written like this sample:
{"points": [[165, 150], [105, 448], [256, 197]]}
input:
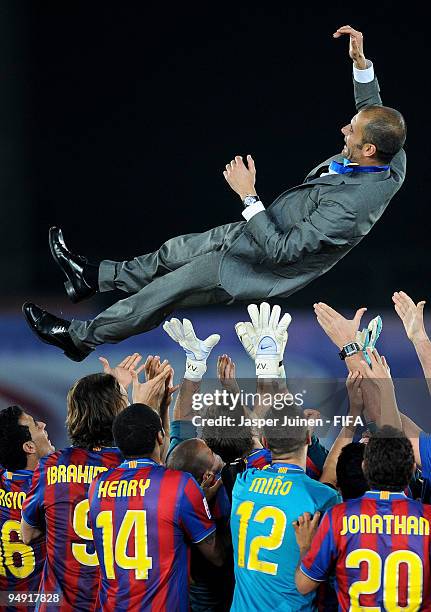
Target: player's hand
{"points": [[412, 316], [265, 338], [379, 372], [305, 530], [197, 351], [356, 45], [210, 486], [240, 177], [312, 415], [152, 391], [340, 330], [170, 389], [356, 401], [123, 371], [226, 374]]}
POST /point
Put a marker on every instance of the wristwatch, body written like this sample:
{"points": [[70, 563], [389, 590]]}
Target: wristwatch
{"points": [[349, 349], [250, 199]]}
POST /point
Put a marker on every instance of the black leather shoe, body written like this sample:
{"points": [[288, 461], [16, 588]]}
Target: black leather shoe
{"points": [[52, 330], [76, 286]]}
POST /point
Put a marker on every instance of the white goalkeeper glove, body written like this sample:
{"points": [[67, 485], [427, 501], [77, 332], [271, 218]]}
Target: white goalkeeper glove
{"points": [[265, 338], [197, 351]]}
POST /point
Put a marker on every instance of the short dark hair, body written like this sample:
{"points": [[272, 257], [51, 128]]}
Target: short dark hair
{"points": [[12, 437], [288, 439], [231, 443], [135, 430], [187, 457], [92, 404], [388, 460], [350, 477], [386, 130]]}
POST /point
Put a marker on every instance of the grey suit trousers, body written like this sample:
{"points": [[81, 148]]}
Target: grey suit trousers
{"points": [[184, 272]]}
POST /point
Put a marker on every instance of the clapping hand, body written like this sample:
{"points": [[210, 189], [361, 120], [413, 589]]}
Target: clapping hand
{"points": [[152, 391], [340, 330], [226, 374], [356, 401], [123, 371], [152, 368], [412, 316]]}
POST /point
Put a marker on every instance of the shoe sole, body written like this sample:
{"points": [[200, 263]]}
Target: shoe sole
{"points": [[71, 356], [68, 285]]}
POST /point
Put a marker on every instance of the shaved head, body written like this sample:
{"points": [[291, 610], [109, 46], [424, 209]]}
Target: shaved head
{"points": [[193, 456]]}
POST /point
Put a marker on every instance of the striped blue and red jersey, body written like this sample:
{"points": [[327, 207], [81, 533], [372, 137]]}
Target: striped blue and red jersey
{"points": [[20, 565], [59, 498], [379, 547], [144, 516]]}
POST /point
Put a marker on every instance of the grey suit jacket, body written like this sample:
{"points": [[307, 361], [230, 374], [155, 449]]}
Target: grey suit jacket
{"points": [[310, 227]]}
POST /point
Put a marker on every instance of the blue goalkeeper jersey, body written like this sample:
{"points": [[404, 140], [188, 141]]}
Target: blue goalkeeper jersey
{"points": [[264, 505]]}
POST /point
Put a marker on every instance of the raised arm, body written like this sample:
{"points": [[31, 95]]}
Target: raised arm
{"points": [[345, 437], [412, 316], [197, 352], [366, 87]]}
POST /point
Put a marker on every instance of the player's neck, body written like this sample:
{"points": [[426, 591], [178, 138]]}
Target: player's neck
{"points": [[153, 457], [32, 461], [299, 460]]}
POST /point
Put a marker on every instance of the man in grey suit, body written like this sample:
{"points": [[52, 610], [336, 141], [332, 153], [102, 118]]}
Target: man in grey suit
{"points": [[274, 252]]}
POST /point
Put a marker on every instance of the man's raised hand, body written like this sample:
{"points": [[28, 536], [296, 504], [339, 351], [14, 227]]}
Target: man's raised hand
{"points": [[240, 177], [152, 392], [122, 372], [265, 337], [356, 45], [340, 330], [197, 351], [412, 316], [226, 374]]}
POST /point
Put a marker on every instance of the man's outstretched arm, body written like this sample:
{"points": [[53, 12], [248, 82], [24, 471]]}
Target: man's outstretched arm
{"points": [[366, 86], [412, 316]]}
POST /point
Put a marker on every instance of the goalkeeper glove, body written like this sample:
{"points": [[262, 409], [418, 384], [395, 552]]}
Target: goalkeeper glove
{"points": [[265, 338], [197, 351]]}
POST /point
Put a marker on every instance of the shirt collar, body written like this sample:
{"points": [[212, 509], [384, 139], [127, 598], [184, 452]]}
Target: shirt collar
{"points": [[139, 463], [385, 495], [290, 467], [18, 474], [348, 167]]}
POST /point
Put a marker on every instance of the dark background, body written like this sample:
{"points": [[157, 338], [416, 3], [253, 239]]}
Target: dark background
{"points": [[116, 120]]}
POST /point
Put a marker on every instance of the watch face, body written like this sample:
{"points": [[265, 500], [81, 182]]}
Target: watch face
{"points": [[351, 349], [250, 200]]}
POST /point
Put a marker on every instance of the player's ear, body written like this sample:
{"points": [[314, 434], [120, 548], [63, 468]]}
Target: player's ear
{"points": [[29, 447], [308, 438], [160, 437], [369, 150]]}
